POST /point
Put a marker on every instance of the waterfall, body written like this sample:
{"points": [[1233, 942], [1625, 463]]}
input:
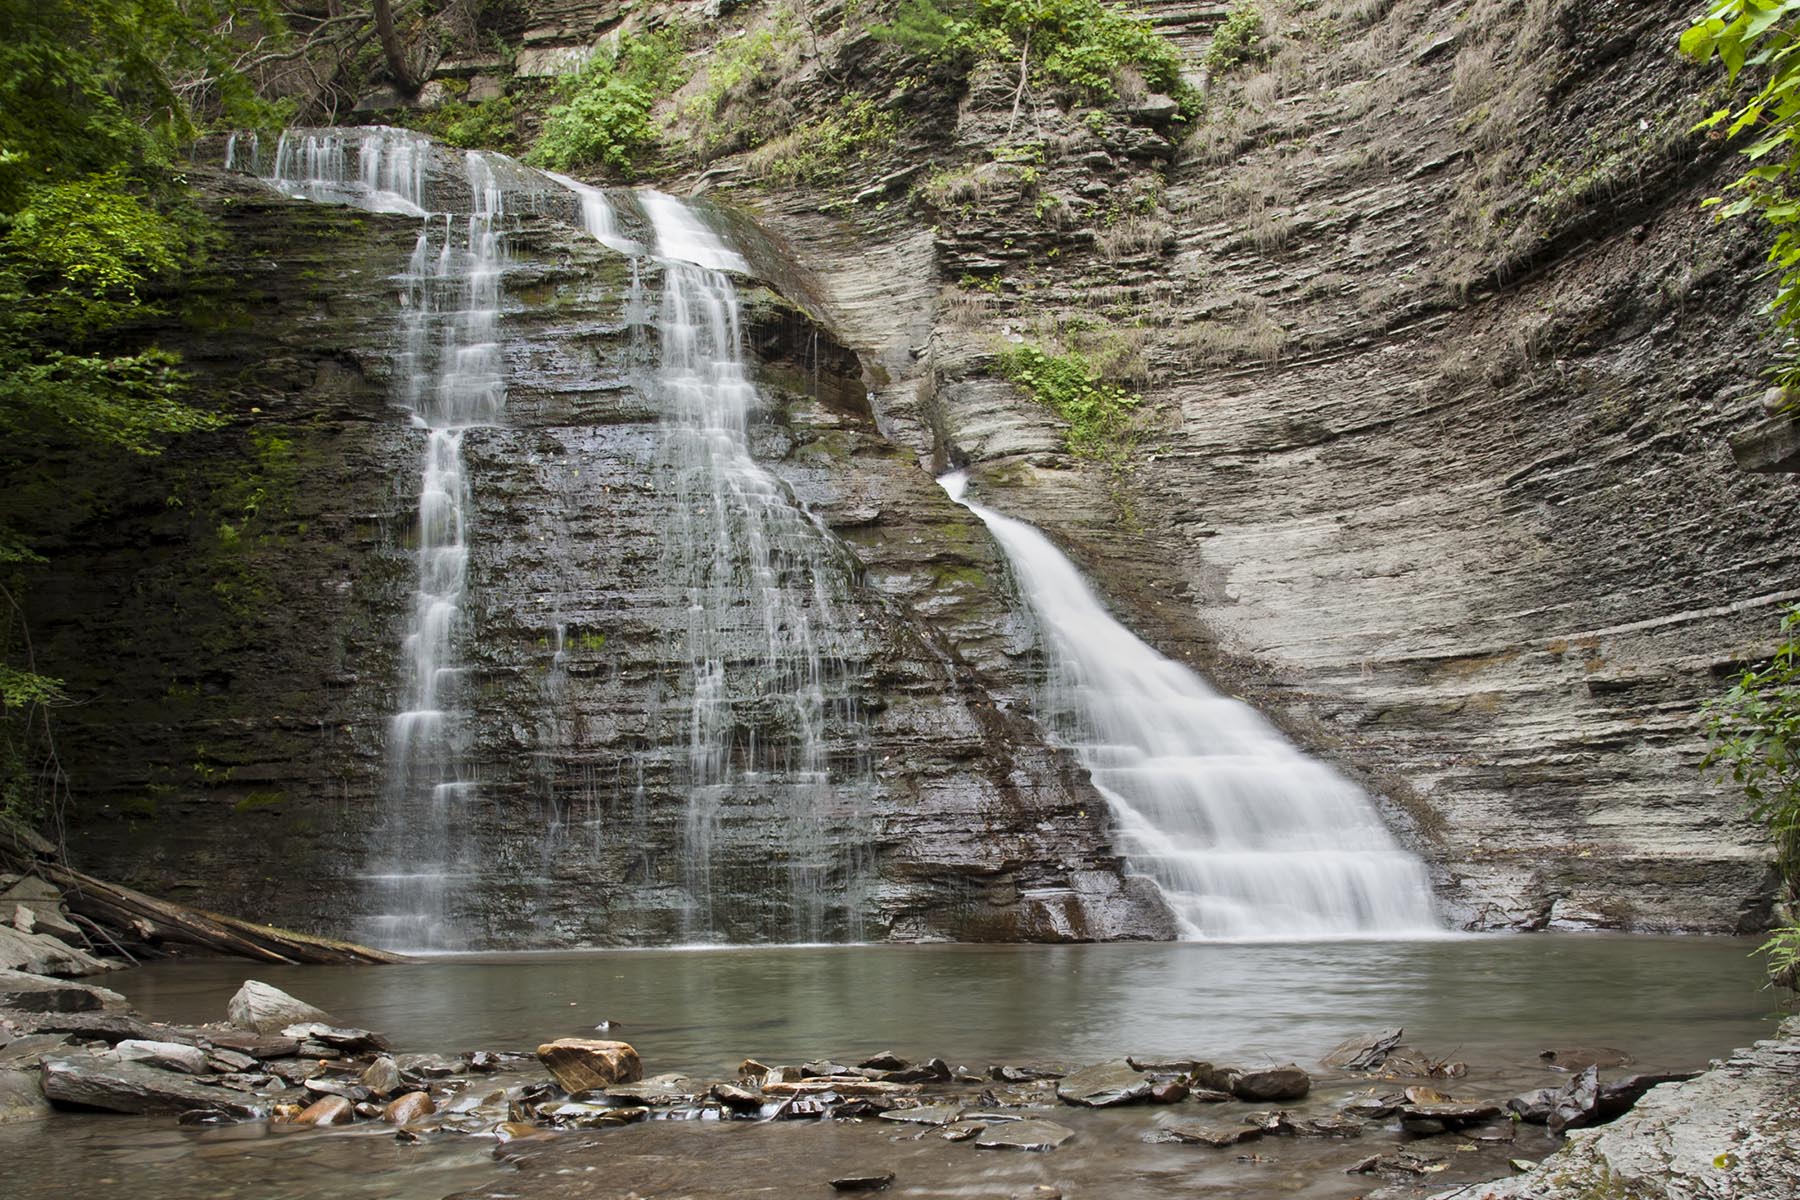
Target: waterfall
{"points": [[1247, 837], [450, 376], [770, 656], [771, 752]]}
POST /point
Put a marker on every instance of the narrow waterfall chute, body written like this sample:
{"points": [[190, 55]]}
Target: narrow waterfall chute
{"points": [[771, 656], [1246, 836]]}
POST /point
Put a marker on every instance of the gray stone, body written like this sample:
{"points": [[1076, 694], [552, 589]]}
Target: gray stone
{"points": [[106, 1082], [44, 902], [381, 1077], [45, 954], [1732, 1133], [1024, 1135], [925, 1114], [41, 994], [260, 1008], [345, 1039], [1104, 1085], [165, 1056]]}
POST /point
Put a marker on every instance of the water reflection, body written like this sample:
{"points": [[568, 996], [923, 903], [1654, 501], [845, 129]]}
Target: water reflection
{"points": [[1683, 998]]}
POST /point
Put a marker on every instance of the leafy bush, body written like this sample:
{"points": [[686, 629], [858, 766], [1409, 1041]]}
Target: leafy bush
{"points": [[1764, 34], [822, 151], [1081, 45], [1239, 40], [1098, 412], [1754, 735], [490, 124], [604, 118]]}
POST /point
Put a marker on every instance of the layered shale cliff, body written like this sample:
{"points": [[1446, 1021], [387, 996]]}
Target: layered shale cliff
{"points": [[1440, 362]]}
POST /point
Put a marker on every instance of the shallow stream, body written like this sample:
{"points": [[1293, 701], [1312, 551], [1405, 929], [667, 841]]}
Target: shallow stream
{"points": [[1492, 1002]]}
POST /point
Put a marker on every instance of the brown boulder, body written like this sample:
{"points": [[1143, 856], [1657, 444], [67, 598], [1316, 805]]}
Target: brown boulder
{"points": [[327, 1110], [583, 1063], [404, 1110]]}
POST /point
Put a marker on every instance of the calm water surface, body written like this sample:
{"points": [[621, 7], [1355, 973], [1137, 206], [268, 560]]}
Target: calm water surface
{"points": [[1493, 1001]]}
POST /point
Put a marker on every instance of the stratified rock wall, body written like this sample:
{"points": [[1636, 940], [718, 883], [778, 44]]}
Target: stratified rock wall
{"points": [[1444, 361]]}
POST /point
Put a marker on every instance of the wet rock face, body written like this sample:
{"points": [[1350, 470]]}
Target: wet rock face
{"points": [[1454, 503], [243, 748]]}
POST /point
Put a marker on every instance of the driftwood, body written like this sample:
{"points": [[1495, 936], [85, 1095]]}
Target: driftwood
{"points": [[140, 918], [149, 919]]}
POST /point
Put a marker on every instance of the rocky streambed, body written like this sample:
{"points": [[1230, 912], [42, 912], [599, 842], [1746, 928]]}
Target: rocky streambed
{"points": [[587, 1116]]}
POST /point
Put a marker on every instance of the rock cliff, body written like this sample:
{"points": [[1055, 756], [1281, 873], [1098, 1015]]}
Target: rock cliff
{"points": [[1441, 365]]}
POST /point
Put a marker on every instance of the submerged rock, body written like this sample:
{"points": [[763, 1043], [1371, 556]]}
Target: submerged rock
{"points": [[925, 1114], [21, 1097], [867, 1181], [327, 1110], [1024, 1135], [1104, 1085], [582, 1064], [1219, 1136], [1365, 1053], [404, 1110], [260, 1008]]}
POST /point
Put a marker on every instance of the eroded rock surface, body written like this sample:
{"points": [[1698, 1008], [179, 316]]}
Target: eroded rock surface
{"points": [[1732, 1133]]}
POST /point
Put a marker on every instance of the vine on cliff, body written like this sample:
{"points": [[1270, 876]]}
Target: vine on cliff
{"points": [[1764, 37], [1754, 736]]}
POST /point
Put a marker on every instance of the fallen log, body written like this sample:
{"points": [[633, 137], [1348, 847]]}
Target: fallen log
{"points": [[152, 920], [143, 918]]}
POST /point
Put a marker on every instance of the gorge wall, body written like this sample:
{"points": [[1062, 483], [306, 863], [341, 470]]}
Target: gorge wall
{"points": [[1440, 363]]}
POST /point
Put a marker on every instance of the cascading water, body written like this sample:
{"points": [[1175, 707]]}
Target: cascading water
{"points": [[770, 657], [1247, 837], [450, 375]]}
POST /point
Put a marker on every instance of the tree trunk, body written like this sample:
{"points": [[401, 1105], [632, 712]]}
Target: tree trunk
{"points": [[393, 51]]}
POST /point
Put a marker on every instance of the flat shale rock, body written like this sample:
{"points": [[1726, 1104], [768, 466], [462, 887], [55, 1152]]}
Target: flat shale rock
{"points": [[1365, 1053], [1286, 1082], [1220, 1136], [1024, 1135], [164, 1056], [925, 1114], [583, 1064], [45, 954], [869, 1181], [31, 992], [1104, 1085], [106, 1082]]}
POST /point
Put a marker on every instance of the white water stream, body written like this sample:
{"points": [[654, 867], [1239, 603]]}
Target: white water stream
{"points": [[1246, 836], [450, 375], [768, 651]]}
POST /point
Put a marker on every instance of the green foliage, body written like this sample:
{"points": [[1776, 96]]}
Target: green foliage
{"points": [[604, 117], [1098, 412], [1239, 40], [1753, 735], [491, 124], [855, 131], [1763, 35], [1080, 45], [96, 99]]}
